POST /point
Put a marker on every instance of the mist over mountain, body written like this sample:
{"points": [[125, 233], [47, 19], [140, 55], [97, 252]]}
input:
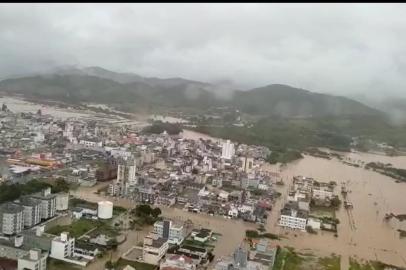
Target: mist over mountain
{"points": [[96, 84]]}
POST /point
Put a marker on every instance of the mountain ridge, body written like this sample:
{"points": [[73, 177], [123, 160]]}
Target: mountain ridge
{"points": [[97, 84]]}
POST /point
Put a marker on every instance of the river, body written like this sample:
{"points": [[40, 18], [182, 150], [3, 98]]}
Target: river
{"points": [[373, 195]]}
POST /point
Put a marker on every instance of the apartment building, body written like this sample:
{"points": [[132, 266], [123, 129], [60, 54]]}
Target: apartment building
{"points": [[11, 218], [35, 259], [175, 233]]}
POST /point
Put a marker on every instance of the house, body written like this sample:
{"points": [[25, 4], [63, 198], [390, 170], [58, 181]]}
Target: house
{"points": [[202, 235], [154, 249]]}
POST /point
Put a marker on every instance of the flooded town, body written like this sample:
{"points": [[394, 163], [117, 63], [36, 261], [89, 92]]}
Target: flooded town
{"points": [[325, 207], [210, 136]]}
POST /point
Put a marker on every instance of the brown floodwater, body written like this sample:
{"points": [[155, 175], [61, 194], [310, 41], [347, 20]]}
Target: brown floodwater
{"points": [[372, 194]]}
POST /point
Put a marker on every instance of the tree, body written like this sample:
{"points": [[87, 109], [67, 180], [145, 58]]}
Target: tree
{"points": [[109, 265], [143, 210], [251, 234], [156, 212], [335, 202]]}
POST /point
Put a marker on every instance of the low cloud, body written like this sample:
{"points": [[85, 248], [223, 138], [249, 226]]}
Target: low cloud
{"points": [[334, 48]]}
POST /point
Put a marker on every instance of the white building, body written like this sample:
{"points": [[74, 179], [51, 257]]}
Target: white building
{"points": [[35, 259], [62, 246], [126, 177], [247, 164], [48, 203], [154, 249], [32, 211], [228, 150], [62, 201], [91, 143], [323, 192], [11, 218], [175, 233], [293, 218]]}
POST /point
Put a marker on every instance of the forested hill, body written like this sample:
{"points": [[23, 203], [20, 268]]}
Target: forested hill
{"points": [[131, 90]]}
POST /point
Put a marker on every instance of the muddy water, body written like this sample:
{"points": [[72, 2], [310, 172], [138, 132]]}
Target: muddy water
{"points": [[372, 195]]}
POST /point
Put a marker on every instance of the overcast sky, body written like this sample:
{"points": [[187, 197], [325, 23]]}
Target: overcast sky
{"points": [[335, 48]]}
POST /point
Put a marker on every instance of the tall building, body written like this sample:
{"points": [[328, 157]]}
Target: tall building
{"points": [[175, 233], [228, 150], [126, 172], [32, 211], [48, 203], [126, 177], [11, 218]]}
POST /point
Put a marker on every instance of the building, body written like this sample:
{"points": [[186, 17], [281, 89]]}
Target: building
{"points": [[88, 142], [154, 249], [322, 191], [239, 261], [48, 203], [175, 233], [292, 217], [35, 259], [126, 172], [227, 151], [247, 164], [145, 194], [178, 262], [62, 246], [32, 211], [11, 218], [265, 252], [62, 201], [126, 177]]}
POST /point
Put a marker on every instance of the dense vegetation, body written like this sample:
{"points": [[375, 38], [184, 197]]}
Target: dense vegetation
{"points": [[158, 127], [14, 191], [145, 214], [388, 170]]}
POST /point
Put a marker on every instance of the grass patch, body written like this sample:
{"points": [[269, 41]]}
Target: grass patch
{"points": [[320, 211], [287, 259], [121, 263], [76, 229], [355, 265], [330, 263], [369, 265], [81, 226]]}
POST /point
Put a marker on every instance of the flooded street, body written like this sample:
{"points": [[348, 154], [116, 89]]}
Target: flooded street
{"points": [[373, 195], [232, 231]]}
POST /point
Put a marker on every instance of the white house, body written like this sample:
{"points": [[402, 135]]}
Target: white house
{"points": [[35, 259]]}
